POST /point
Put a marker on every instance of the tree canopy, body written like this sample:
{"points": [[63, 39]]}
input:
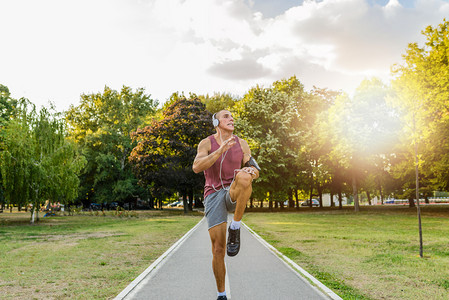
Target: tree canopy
{"points": [[162, 159], [37, 161], [101, 125]]}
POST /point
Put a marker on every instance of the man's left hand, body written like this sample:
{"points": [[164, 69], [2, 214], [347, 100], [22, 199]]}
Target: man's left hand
{"points": [[249, 170]]}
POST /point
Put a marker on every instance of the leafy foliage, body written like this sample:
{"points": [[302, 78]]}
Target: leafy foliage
{"points": [[422, 89], [37, 162], [101, 126], [219, 101], [162, 159], [270, 119]]}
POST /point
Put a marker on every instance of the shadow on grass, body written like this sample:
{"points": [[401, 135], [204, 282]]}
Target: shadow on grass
{"points": [[24, 218], [436, 210]]}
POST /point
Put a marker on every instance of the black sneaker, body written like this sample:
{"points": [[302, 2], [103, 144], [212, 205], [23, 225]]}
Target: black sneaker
{"points": [[233, 245], [222, 298]]}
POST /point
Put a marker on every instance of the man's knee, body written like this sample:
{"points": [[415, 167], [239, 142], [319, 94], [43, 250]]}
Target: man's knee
{"points": [[218, 250], [244, 179]]}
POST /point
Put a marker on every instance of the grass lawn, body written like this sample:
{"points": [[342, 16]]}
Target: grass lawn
{"points": [[83, 256], [370, 255]]}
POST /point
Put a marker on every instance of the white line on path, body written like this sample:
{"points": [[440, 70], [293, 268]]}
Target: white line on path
{"points": [[292, 265], [151, 270], [227, 285]]}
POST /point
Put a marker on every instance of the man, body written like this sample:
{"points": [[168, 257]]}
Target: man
{"points": [[227, 189]]}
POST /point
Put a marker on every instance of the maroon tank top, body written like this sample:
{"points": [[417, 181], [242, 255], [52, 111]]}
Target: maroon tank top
{"points": [[232, 161]]}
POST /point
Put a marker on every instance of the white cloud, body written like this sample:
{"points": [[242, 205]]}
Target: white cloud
{"points": [[56, 50]]}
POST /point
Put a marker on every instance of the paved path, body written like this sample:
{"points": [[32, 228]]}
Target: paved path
{"points": [[185, 272]]}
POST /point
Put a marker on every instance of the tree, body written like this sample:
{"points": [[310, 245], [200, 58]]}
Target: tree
{"points": [[16, 156], [270, 120], [422, 90], [101, 126], [162, 159], [7, 105], [37, 162], [7, 109], [219, 101], [315, 152], [361, 128], [422, 87]]}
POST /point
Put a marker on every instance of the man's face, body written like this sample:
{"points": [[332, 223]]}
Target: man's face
{"points": [[226, 120]]}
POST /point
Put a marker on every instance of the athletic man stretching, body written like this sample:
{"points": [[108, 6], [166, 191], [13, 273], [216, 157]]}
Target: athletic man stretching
{"points": [[227, 189]]}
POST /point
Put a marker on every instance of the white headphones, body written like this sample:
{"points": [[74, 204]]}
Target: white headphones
{"points": [[215, 121]]}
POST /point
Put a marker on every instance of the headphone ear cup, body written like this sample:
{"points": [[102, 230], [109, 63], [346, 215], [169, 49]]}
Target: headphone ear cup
{"points": [[215, 121]]}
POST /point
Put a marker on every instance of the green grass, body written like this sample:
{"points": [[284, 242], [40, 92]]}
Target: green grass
{"points": [[82, 257], [370, 255]]}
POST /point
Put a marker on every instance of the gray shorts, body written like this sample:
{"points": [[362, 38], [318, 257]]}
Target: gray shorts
{"points": [[217, 206]]}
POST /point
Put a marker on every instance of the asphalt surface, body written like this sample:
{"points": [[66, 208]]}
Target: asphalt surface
{"points": [[185, 272]]}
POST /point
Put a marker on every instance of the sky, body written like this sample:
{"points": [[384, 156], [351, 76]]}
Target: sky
{"points": [[56, 50]]}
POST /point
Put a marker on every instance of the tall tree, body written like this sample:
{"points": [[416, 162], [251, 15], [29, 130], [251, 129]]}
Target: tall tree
{"points": [[16, 155], [317, 144], [7, 109], [361, 127], [38, 163], [101, 126], [422, 90], [162, 159], [270, 120]]}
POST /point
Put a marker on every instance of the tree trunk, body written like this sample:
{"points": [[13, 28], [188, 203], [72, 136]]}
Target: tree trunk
{"points": [[32, 214], [332, 199], [270, 204], [261, 203], [190, 200], [411, 202], [297, 199], [251, 202], [340, 200], [199, 202], [417, 189], [290, 199], [355, 193], [311, 194], [417, 196], [35, 213], [320, 195], [369, 197], [276, 204], [151, 202], [184, 202], [381, 194]]}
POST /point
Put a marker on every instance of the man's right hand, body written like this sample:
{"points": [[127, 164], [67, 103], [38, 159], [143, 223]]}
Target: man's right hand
{"points": [[226, 145]]}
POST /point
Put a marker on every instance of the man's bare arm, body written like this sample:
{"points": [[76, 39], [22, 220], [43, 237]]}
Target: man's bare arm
{"points": [[246, 157], [204, 160]]}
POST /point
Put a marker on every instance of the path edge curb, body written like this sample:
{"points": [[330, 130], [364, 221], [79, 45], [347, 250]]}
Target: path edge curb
{"points": [[295, 266], [156, 264]]}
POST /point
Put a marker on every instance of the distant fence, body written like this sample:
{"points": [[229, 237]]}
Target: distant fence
{"points": [[439, 200]]}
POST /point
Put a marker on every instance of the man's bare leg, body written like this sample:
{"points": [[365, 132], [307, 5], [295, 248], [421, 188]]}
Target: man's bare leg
{"points": [[240, 191], [218, 238]]}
